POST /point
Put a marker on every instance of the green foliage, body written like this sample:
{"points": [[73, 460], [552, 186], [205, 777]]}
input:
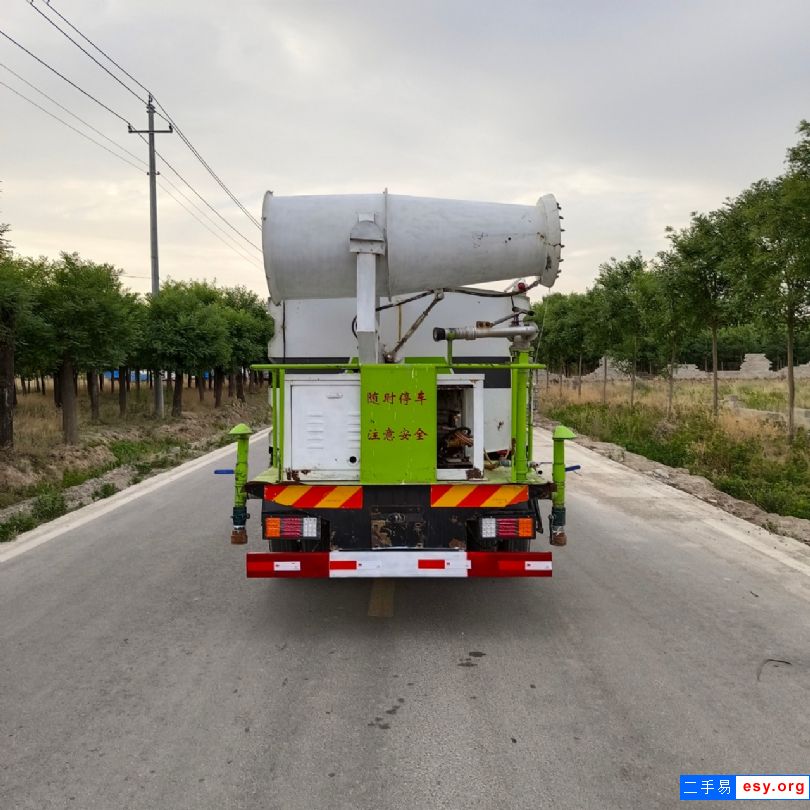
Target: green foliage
{"points": [[85, 307], [773, 475], [104, 491], [17, 524], [762, 400], [72, 478], [49, 504], [127, 451]]}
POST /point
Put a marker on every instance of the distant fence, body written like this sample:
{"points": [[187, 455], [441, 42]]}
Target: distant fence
{"points": [[754, 367]]}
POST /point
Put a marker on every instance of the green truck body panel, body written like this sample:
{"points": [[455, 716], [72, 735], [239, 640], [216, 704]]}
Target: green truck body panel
{"points": [[397, 424]]}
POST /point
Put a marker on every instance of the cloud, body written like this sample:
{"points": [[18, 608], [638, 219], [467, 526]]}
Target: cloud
{"points": [[633, 114]]}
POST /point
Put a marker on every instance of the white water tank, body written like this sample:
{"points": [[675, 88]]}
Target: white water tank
{"points": [[429, 243]]}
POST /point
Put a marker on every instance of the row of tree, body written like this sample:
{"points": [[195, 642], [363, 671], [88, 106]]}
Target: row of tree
{"points": [[741, 272], [74, 317]]}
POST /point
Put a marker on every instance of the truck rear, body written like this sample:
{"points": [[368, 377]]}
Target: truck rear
{"points": [[393, 453]]}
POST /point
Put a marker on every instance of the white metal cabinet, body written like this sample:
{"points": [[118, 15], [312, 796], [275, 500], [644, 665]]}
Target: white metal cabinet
{"points": [[322, 426]]}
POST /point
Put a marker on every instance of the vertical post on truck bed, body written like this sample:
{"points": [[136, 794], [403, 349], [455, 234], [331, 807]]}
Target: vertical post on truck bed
{"points": [[557, 520], [242, 433], [520, 391], [367, 242]]}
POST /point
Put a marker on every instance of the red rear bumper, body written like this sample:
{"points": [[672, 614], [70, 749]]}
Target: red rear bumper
{"points": [[416, 563]]}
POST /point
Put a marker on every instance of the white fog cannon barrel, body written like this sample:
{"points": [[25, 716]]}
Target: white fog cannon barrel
{"points": [[428, 243]]}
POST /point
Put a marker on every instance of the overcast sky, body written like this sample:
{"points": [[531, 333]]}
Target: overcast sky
{"points": [[632, 113]]}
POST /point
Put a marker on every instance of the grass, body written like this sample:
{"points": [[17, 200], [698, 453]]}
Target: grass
{"points": [[41, 467], [745, 457]]}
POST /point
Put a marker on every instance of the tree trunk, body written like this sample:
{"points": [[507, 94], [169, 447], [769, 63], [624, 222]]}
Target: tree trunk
{"points": [[123, 390], [240, 386], [579, 378], [57, 388], [177, 398], [149, 378], [44, 387], [201, 386], [138, 383], [210, 379], [562, 370], [7, 387], [219, 378], [604, 380], [633, 373], [231, 384], [791, 382], [671, 387], [93, 392], [70, 416], [190, 377], [36, 379], [715, 397]]}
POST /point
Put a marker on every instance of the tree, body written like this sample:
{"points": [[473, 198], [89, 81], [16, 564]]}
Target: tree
{"points": [[250, 327], [5, 245], [778, 216], [83, 303], [188, 332], [709, 266], [15, 300], [666, 316], [617, 295]]}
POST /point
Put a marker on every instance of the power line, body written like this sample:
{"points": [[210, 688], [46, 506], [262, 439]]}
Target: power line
{"points": [[124, 160], [164, 178], [206, 226], [64, 78], [70, 126], [213, 174], [93, 44], [71, 113], [203, 200], [166, 115], [84, 51]]}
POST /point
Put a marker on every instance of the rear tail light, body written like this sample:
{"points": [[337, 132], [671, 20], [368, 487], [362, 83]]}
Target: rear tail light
{"points": [[292, 527], [507, 527]]}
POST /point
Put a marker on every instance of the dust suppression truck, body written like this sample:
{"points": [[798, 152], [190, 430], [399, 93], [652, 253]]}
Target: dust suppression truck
{"points": [[401, 396]]}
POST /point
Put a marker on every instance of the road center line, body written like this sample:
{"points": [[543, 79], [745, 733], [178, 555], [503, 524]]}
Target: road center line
{"points": [[381, 601], [73, 520]]}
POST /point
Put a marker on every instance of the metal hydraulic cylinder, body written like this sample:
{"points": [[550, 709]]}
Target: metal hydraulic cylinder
{"points": [[557, 536], [242, 433]]}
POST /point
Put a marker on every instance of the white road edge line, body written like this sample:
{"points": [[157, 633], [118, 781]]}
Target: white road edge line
{"points": [[73, 520]]}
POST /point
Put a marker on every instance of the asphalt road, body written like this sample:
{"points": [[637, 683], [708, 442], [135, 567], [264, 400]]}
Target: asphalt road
{"points": [[140, 669]]}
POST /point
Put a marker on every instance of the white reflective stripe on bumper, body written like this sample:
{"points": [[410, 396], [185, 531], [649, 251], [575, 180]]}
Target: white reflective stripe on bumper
{"points": [[398, 564]]}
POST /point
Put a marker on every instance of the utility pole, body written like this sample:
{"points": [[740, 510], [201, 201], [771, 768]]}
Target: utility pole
{"points": [[151, 132]]}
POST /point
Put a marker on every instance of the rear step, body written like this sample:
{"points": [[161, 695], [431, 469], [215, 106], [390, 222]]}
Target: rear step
{"points": [[418, 563]]}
